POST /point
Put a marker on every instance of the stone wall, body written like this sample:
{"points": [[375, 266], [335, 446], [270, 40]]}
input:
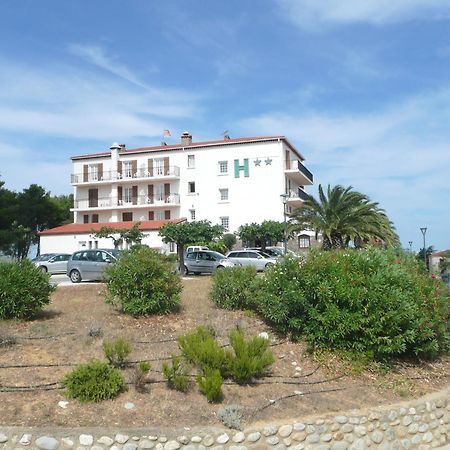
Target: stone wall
{"points": [[417, 424]]}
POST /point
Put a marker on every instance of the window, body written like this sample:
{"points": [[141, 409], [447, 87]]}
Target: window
{"points": [[94, 218], [93, 172], [159, 166], [172, 247], [223, 195], [127, 217], [225, 222], [192, 214], [127, 169], [191, 161], [223, 167], [304, 241], [191, 187], [127, 194], [85, 218], [159, 215]]}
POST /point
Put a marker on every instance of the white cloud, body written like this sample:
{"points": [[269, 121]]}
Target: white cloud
{"points": [[399, 156], [318, 14]]}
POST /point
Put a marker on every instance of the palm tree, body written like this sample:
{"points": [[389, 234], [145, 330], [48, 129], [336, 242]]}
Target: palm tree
{"points": [[344, 215]]}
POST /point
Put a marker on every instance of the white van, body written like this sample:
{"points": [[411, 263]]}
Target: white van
{"points": [[195, 248]]}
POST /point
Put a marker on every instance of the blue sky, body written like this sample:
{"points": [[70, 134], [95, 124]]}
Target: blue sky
{"points": [[362, 89]]}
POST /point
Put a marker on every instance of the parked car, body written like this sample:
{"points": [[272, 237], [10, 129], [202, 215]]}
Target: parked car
{"points": [[260, 260], [195, 248], [90, 264], [43, 257], [54, 264], [267, 251], [205, 261]]}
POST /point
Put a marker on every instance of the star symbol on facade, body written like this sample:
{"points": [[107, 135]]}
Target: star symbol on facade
{"points": [[257, 162], [268, 161]]}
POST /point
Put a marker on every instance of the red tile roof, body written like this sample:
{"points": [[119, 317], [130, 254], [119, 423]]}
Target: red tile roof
{"points": [[160, 148], [445, 253], [80, 228]]}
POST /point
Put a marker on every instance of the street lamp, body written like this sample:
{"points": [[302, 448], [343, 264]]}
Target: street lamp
{"points": [[410, 246], [424, 232], [284, 199]]}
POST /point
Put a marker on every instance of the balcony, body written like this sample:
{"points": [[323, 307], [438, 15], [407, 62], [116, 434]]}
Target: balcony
{"points": [[113, 176], [296, 171], [296, 198], [141, 202]]}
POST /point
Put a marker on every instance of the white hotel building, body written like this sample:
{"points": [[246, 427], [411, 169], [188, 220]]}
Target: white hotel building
{"points": [[229, 182]]}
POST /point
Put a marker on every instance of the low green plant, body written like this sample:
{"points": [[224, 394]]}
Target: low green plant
{"points": [[142, 282], [176, 374], [93, 382], [140, 375], [235, 288], [24, 290], [116, 351], [210, 384], [200, 348], [251, 357]]}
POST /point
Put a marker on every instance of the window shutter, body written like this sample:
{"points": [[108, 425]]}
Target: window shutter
{"points": [[85, 172], [100, 171], [150, 167], [94, 218], [119, 193], [85, 218], [166, 166], [166, 192], [167, 214], [134, 194], [134, 168], [151, 215], [119, 169], [150, 193], [93, 198]]}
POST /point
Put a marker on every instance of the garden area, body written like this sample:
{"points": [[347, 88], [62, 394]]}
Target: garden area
{"points": [[343, 330]]}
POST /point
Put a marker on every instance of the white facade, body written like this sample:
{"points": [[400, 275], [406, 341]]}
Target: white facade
{"points": [[230, 182]]}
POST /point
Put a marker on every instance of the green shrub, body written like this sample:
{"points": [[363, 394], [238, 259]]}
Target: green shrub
{"points": [[94, 382], [24, 290], [176, 375], [229, 240], [116, 351], [140, 375], [142, 282], [252, 357], [234, 288], [210, 385], [200, 348], [370, 301]]}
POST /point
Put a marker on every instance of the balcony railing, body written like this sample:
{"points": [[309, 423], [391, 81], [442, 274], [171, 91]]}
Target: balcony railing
{"points": [[140, 200], [114, 175], [297, 165], [298, 194]]}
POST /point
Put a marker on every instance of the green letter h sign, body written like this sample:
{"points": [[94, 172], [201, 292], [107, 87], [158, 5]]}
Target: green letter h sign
{"points": [[238, 168]]}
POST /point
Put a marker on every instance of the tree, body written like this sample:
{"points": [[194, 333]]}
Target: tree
{"points": [[62, 203], [186, 233], [343, 215], [118, 235], [268, 232], [428, 252], [229, 240]]}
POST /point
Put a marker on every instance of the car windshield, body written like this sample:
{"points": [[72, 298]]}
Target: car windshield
{"points": [[115, 252]]}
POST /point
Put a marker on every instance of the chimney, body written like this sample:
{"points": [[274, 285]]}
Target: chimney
{"points": [[115, 153], [186, 138], [122, 147]]}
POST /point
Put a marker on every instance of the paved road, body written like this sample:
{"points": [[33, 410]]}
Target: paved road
{"points": [[60, 280]]}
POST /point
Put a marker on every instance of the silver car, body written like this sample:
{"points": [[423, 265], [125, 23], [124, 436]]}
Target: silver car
{"points": [[90, 264], [205, 261], [261, 261], [57, 263]]}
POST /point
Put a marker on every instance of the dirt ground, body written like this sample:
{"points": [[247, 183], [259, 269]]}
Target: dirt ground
{"points": [[60, 338]]}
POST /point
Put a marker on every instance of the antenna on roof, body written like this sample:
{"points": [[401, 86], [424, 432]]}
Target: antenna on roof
{"points": [[225, 135]]}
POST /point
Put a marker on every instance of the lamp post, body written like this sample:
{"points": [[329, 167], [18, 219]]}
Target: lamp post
{"points": [[410, 246], [284, 199], [424, 232]]}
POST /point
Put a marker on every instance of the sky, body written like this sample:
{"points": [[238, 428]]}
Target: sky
{"points": [[362, 89]]}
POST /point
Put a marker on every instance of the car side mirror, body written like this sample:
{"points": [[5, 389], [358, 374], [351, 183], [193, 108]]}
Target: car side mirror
{"points": [[107, 260]]}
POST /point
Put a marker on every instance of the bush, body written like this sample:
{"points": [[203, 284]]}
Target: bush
{"points": [[140, 375], [94, 382], [251, 358], [176, 375], [200, 348], [370, 301], [234, 288], [211, 385], [229, 240], [117, 351], [142, 282], [24, 290]]}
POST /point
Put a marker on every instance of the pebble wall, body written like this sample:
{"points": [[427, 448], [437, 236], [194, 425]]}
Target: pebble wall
{"points": [[418, 424]]}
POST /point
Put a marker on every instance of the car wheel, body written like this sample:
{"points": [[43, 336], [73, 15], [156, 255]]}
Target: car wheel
{"points": [[75, 276], [269, 265], [43, 268], [185, 271], [219, 267]]}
